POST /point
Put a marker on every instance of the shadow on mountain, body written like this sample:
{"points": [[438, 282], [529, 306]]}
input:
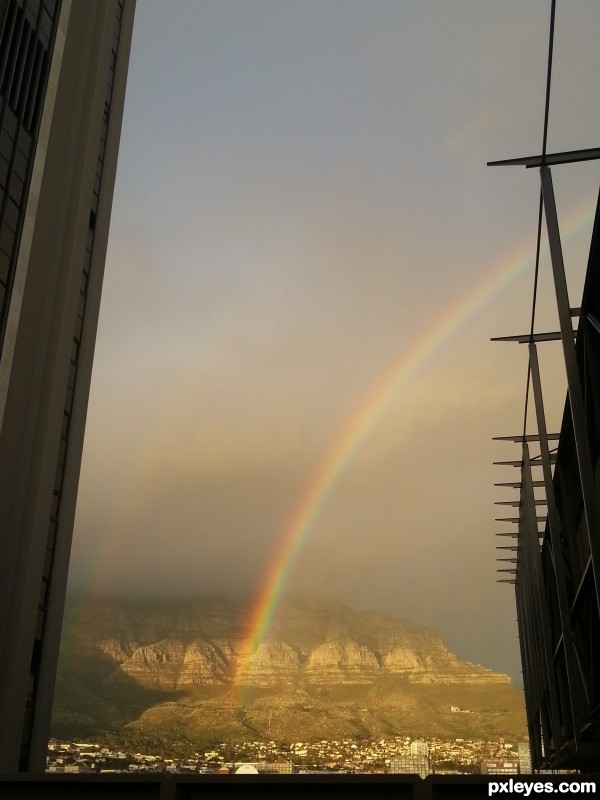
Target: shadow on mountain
{"points": [[88, 700], [163, 670]]}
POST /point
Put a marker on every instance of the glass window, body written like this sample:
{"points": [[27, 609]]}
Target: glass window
{"points": [[16, 188], [6, 147], [11, 214], [24, 142], [10, 123], [7, 239], [4, 267]]}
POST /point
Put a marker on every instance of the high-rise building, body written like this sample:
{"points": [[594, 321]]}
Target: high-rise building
{"points": [[524, 758], [411, 764], [500, 766], [63, 67], [419, 748]]}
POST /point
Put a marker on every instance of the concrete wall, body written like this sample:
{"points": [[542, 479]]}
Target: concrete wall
{"points": [[36, 361]]}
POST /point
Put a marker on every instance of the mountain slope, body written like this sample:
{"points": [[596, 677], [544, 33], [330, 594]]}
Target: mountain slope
{"points": [[181, 671]]}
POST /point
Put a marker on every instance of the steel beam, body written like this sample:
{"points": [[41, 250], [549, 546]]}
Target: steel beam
{"points": [[584, 459], [576, 699], [549, 159], [515, 503], [517, 484], [533, 575], [530, 437], [525, 338]]}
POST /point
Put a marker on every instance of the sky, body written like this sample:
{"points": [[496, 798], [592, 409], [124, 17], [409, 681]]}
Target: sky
{"points": [[308, 253]]}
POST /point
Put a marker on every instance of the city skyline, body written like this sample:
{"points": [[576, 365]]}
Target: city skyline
{"points": [[307, 253]]}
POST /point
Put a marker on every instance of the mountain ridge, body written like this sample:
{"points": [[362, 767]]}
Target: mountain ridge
{"points": [[147, 664]]}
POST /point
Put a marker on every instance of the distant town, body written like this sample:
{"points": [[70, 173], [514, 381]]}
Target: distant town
{"points": [[401, 754]]}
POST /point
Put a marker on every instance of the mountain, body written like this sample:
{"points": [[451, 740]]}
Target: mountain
{"points": [[181, 671]]}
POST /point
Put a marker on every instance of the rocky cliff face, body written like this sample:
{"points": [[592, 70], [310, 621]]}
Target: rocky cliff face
{"points": [[181, 646], [157, 673]]}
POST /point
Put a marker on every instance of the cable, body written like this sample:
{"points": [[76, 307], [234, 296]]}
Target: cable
{"points": [[541, 203]]}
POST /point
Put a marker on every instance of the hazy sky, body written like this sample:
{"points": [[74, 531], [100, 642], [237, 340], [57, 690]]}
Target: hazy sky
{"points": [[303, 204]]}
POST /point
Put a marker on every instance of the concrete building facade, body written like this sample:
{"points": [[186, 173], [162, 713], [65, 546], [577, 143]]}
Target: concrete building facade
{"points": [[63, 68], [411, 764]]}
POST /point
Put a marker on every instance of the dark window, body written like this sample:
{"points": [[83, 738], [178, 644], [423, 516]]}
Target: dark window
{"points": [[20, 165], [7, 239], [3, 12], [51, 7], [3, 171], [16, 188], [21, 87], [46, 22], [6, 147], [11, 214], [9, 45], [31, 10], [24, 142], [35, 85], [4, 267], [10, 124], [23, 59]]}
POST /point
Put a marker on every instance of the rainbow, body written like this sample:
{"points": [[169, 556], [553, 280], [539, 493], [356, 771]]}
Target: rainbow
{"points": [[358, 427]]}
